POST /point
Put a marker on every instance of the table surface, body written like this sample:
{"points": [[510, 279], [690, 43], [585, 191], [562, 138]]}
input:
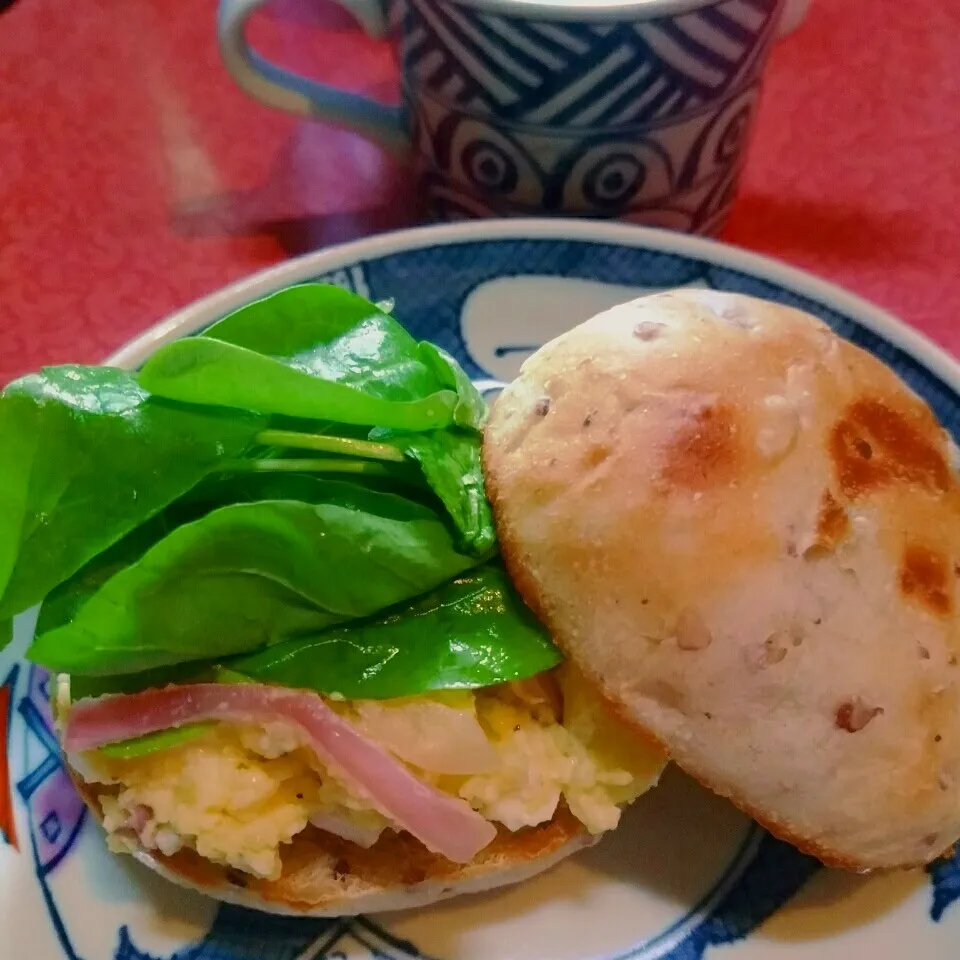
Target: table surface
{"points": [[135, 177]]}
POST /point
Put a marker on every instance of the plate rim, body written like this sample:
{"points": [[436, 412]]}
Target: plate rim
{"points": [[889, 327]]}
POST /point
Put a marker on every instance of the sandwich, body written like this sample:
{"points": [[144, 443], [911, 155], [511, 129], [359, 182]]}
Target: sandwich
{"points": [[330, 636], [290, 670]]}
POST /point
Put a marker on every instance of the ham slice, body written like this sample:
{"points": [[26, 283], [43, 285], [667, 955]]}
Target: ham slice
{"points": [[444, 824]]}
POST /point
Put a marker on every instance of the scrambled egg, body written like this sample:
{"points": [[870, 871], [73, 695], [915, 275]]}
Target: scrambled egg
{"points": [[237, 794]]}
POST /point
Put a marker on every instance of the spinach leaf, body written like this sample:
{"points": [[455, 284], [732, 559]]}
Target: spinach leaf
{"points": [[335, 335], [322, 353], [450, 461], [19, 428], [64, 602], [6, 632], [88, 456], [378, 495], [82, 687], [471, 632], [471, 408], [253, 574], [206, 371]]}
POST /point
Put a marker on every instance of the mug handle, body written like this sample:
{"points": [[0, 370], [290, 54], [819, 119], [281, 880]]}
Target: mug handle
{"points": [[299, 95]]}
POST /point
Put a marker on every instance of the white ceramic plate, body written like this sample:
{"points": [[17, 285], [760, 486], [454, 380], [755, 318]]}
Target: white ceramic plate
{"points": [[685, 877]]}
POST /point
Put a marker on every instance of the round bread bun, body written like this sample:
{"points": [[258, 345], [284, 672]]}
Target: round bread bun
{"points": [[326, 876], [746, 531]]}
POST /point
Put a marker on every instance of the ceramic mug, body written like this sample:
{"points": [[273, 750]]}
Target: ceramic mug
{"points": [[634, 109], [794, 13]]}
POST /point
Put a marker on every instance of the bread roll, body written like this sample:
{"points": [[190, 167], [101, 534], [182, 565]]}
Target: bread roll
{"points": [[326, 876], [746, 531]]}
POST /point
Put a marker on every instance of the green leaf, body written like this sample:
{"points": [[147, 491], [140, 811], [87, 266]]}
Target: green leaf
{"points": [[450, 461], [227, 676], [20, 430], [364, 493], [154, 742], [89, 456], [335, 335], [63, 603], [6, 633], [328, 443], [249, 575], [81, 687], [449, 464], [318, 352], [205, 371], [471, 408], [471, 632]]}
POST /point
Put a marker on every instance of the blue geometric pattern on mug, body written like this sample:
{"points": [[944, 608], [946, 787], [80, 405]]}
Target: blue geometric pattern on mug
{"points": [[679, 177], [581, 74], [703, 211]]}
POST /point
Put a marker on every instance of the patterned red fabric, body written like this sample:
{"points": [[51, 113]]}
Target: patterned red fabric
{"points": [[135, 176]]}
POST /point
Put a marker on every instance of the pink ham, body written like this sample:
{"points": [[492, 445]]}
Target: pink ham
{"points": [[443, 824]]}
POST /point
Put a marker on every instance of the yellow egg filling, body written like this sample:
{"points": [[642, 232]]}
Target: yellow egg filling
{"points": [[517, 751]]}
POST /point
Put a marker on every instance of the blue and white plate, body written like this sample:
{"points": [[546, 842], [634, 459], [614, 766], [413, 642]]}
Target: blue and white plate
{"points": [[685, 877]]}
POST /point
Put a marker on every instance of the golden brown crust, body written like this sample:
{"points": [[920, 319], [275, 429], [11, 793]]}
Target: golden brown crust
{"points": [[324, 875], [873, 445], [760, 569], [925, 576]]}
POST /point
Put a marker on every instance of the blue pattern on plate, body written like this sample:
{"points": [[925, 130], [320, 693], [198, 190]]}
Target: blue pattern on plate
{"points": [[55, 813], [775, 872], [774, 876], [430, 285], [239, 934], [945, 876]]}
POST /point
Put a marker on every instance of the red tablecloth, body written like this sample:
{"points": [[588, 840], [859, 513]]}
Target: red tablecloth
{"points": [[135, 177]]}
